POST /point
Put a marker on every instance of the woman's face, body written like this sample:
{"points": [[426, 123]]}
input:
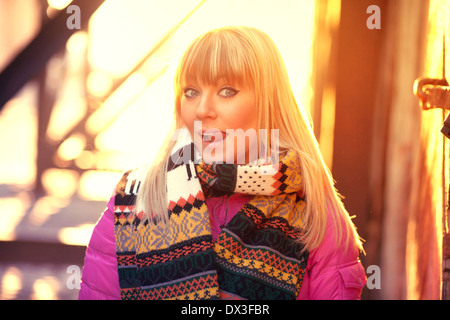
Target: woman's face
{"points": [[222, 120]]}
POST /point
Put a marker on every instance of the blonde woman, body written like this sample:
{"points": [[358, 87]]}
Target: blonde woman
{"points": [[239, 203]]}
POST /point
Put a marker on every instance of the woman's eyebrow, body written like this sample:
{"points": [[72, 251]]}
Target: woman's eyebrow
{"points": [[220, 81], [186, 84]]}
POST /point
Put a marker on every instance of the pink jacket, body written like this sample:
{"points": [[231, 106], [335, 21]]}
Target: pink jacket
{"points": [[332, 273]]}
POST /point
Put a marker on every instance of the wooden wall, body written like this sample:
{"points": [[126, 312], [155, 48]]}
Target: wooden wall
{"points": [[388, 154]]}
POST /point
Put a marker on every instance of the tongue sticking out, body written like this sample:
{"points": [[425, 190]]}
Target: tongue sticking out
{"points": [[211, 137]]}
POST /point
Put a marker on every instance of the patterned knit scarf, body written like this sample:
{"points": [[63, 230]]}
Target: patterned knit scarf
{"points": [[256, 256]]}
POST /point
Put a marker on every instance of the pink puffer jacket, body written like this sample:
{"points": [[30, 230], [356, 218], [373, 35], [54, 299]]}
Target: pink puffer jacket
{"points": [[332, 273]]}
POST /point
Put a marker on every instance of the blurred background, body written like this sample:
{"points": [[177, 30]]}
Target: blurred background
{"points": [[86, 91]]}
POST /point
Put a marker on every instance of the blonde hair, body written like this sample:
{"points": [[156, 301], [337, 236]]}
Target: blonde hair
{"points": [[248, 55]]}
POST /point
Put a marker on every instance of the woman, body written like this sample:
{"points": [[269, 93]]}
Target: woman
{"points": [[212, 218]]}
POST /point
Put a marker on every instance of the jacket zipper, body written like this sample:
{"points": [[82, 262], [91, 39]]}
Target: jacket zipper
{"points": [[226, 213]]}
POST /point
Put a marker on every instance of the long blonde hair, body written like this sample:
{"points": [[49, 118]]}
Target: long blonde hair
{"points": [[249, 55]]}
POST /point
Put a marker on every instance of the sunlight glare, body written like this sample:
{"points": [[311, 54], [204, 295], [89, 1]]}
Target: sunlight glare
{"points": [[99, 83], [131, 88], [77, 43], [72, 147], [18, 120], [61, 183], [11, 283], [58, 4], [77, 236], [86, 160], [66, 114], [44, 208], [120, 35], [98, 185], [13, 209], [45, 288]]}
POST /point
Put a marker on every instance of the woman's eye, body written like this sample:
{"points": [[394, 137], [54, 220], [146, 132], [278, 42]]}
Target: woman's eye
{"points": [[227, 92], [191, 93]]}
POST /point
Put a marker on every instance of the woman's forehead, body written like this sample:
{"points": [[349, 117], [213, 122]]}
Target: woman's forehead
{"points": [[212, 60], [219, 80]]}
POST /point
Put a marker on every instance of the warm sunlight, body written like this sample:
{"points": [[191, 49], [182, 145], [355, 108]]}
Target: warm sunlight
{"points": [[119, 37], [45, 288], [11, 283], [13, 211], [77, 236], [58, 4], [107, 107]]}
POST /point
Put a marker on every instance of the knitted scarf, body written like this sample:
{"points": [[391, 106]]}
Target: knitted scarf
{"points": [[257, 255]]}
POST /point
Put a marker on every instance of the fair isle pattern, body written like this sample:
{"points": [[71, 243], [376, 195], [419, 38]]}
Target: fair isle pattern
{"points": [[262, 261], [251, 179], [275, 179], [159, 262], [258, 254]]}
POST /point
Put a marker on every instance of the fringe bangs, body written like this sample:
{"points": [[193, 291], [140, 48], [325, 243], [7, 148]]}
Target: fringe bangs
{"points": [[217, 56]]}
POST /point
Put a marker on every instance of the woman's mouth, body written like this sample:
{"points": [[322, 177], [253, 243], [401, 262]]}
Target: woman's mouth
{"points": [[210, 137]]}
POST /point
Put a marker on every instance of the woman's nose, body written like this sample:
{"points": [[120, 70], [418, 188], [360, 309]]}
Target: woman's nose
{"points": [[205, 107]]}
